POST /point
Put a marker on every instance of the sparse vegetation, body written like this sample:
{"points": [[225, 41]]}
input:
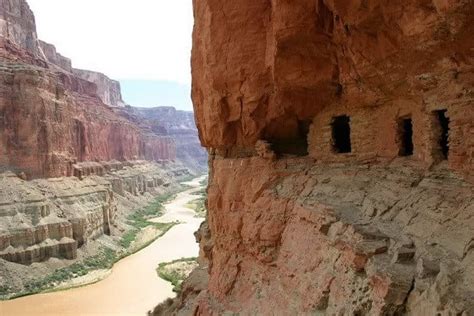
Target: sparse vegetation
{"points": [[199, 204], [4, 290], [105, 259], [204, 182], [139, 219], [176, 271]]}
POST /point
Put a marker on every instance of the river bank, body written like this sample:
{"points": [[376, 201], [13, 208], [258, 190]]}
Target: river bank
{"points": [[132, 287]]}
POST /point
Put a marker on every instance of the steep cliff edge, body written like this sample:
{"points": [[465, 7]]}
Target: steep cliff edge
{"points": [[342, 158]]}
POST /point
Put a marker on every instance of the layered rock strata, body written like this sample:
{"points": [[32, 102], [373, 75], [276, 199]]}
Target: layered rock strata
{"points": [[55, 58], [47, 218], [17, 23], [179, 125], [108, 90], [53, 116], [341, 167], [56, 122], [336, 239]]}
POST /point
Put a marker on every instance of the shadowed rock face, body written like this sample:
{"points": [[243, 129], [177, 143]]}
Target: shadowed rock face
{"points": [[351, 228]]}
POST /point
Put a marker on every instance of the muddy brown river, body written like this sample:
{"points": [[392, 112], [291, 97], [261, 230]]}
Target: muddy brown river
{"points": [[133, 287]]}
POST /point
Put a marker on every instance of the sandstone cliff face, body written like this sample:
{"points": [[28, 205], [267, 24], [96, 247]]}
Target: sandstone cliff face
{"points": [[376, 218], [108, 90], [17, 23], [53, 116], [344, 239], [53, 57], [53, 120]]}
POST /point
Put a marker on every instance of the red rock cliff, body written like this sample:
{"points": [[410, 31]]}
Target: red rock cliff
{"points": [[342, 140], [52, 118], [266, 69]]}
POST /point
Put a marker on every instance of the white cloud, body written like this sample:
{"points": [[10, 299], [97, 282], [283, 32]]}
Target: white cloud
{"points": [[125, 39]]}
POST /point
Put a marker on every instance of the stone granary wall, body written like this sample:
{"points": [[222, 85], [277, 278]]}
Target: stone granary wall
{"points": [[341, 157], [437, 133]]}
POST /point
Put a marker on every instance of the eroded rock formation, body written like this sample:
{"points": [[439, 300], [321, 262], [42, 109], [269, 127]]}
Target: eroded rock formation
{"points": [[54, 116], [55, 58], [17, 23], [341, 135], [179, 125], [47, 218], [107, 89], [271, 71]]}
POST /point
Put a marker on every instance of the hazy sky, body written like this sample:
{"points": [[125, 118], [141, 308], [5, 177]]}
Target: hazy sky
{"points": [[125, 39]]}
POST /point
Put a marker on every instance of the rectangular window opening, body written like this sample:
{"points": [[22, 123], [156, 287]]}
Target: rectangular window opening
{"points": [[406, 137], [443, 133], [341, 134]]}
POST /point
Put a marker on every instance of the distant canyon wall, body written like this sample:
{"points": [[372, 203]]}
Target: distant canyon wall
{"points": [[181, 126], [54, 116], [107, 89], [17, 24]]}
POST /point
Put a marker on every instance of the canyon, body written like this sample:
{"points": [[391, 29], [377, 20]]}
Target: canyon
{"points": [[118, 294], [341, 150], [75, 163], [341, 157]]}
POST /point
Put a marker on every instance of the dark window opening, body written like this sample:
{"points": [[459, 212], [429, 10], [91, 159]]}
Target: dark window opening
{"points": [[341, 134], [295, 146], [443, 141], [406, 137]]}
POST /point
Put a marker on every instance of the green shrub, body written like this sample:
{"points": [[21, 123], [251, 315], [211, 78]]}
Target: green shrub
{"points": [[174, 277], [139, 219]]}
